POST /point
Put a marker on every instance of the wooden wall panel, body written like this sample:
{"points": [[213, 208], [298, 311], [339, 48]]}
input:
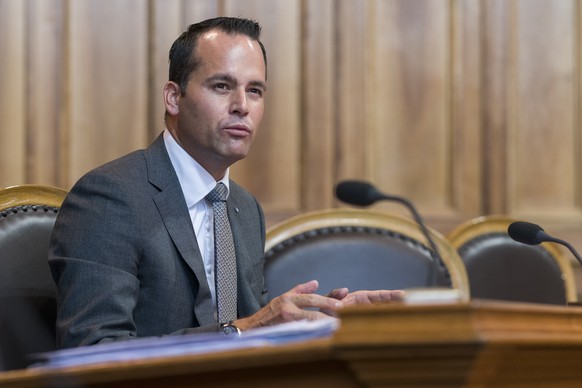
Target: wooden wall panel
{"points": [[409, 122], [466, 172], [352, 107], [543, 169], [531, 115], [467, 107], [167, 20], [531, 118], [319, 95], [45, 92], [495, 104], [165, 25], [13, 134], [409, 103], [195, 11], [271, 171], [107, 96]]}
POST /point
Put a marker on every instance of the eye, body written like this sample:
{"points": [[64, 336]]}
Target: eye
{"points": [[221, 86], [256, 91]]}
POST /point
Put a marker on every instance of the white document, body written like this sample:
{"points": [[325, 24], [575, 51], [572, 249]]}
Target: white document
{"points": [[154, 347]]}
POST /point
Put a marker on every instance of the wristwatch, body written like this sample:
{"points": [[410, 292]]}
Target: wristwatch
{"points": [[229, 328]]}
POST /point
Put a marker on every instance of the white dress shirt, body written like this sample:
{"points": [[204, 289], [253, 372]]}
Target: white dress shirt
{"points": [[196, 183]]}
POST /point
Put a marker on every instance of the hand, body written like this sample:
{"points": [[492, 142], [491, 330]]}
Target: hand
{"points": [[362, 297], [291, 306], [371, 297]]}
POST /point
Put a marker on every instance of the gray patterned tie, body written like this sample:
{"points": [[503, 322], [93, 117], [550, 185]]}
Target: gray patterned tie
{"points": [[224, 256]]}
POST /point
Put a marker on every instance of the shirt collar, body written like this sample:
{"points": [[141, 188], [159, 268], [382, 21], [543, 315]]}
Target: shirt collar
{"points": [[195, 181]]}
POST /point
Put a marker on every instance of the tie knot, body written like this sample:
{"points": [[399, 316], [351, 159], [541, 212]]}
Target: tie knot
{"points": [[218, 193]]}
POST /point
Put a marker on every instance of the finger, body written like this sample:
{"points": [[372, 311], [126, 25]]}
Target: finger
{"points": [[386, 295], [314, 315], [338, 293], [329, 313], [293, 307], [306, 288], [369, 297], [398, 294], [316, 301]]}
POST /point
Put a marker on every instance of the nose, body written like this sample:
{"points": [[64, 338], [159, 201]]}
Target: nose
{"points": [[239, 104]]}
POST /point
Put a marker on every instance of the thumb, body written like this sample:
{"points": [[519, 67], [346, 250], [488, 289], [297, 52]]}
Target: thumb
{"points": [[338, 293]]}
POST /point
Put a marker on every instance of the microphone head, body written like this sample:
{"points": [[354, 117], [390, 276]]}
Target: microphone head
{"points": [[357, 193], [525, 232]]}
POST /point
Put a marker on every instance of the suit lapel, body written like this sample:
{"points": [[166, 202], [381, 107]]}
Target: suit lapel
{"points": [[172, 207]]}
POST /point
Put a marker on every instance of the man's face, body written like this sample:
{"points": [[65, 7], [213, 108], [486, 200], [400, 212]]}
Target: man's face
{"points": [[222, 107]]}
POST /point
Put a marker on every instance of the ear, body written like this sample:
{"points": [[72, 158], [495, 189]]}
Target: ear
{"points": [[172, 98]]}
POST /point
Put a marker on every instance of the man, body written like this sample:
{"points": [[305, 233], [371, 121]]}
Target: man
{"points": [[133, 250]]}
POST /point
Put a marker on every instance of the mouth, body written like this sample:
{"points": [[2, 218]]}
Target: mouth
{"points": [[238, 130]]}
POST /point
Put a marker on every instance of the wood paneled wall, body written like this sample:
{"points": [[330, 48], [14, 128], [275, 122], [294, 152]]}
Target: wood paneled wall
{"points": [[466, 107]]}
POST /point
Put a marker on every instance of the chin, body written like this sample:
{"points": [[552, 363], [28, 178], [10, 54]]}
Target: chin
{"points": [[238, 153], [234, 157]]}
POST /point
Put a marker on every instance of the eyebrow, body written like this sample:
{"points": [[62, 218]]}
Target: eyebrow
{"points": [[230, 79]]}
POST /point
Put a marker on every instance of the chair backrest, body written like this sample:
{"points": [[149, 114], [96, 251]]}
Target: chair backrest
{"points": [[503, 269], [27, 289], [357, 249]]}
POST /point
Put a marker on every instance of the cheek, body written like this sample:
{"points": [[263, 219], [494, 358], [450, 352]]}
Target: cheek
{"points": [[201, 111], [258, 113], [212, 109]]}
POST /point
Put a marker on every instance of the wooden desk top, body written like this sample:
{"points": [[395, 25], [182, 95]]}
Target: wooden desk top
{"points": [[467, 344]]}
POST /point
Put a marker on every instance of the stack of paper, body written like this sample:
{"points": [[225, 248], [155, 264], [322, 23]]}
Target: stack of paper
{"points": [[151, 347]]}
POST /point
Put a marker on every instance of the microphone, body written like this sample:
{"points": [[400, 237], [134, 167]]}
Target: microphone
{"points": [[532, 234], [362, 193]]}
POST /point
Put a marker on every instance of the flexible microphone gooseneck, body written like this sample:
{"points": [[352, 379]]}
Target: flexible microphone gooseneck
{"points": [[362, 193], [532, 234]]}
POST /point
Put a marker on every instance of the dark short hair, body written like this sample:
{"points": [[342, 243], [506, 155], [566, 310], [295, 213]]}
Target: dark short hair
{"points": [[181, 58]]}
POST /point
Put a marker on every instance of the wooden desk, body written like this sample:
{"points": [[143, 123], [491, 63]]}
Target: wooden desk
{"points": [[475, 344]]}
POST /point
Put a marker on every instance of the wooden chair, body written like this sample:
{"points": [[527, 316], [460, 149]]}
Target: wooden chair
{"points": [[503, 269], [27, 289], [358, 249]]}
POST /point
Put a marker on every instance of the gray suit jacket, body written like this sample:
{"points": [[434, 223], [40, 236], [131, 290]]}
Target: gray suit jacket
{"points": [[125, 257]]}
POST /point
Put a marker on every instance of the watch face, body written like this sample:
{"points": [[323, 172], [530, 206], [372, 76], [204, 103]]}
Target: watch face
{"points": [[229, 329]]}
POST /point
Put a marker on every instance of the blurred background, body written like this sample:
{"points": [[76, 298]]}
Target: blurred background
{"points": [[465, 107]]}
